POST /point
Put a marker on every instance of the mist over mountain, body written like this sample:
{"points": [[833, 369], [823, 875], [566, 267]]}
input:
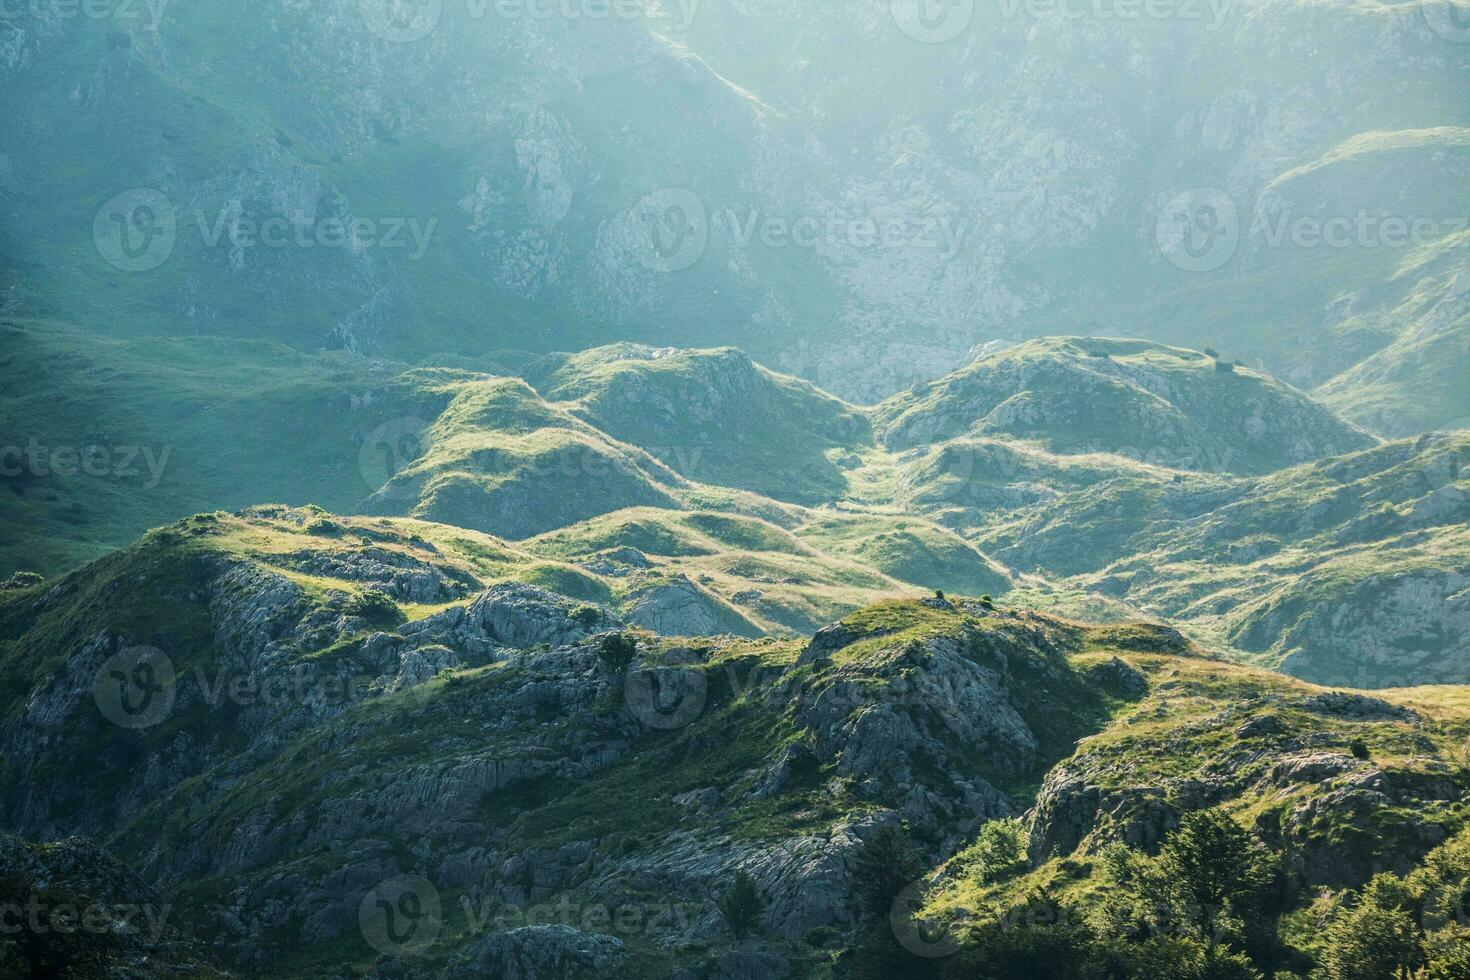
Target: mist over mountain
{"points": [[735, 489], [848, 194]]}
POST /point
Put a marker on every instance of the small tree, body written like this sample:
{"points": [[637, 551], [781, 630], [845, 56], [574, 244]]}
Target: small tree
{"points": [[1216, 877], [741, 906], [586, 616], [1359, 749], [1370, 943], [885, 865], [618, 650], [999, 849]]}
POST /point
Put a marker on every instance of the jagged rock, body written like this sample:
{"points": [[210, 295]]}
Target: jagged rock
{"points": [[1359, 707], [787, 769], [701, 800], [682, 608], [827, 641], [513, 615], [1071, 814], [1313, 768], [1260, 726], [617, 562], [1351, 833], [538, 953], [139, 933], [404, 577]]}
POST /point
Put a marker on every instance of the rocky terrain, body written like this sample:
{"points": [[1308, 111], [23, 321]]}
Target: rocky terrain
{"points": [[325, 776], [734, 490]]}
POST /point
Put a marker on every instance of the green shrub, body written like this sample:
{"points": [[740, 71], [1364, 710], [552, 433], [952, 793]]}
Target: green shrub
{"points": [[22, 580], [374, 606], [586, 616], [999, 850], [741, 906], [618, 650]]}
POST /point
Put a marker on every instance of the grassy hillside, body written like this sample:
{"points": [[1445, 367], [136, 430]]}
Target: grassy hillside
{"points": [[1141, 400], [1068, 516], [497, 777], [714, 416]]}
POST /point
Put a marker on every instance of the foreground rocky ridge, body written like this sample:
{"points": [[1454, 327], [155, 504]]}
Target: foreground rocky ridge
{"points": [[499, 760]]}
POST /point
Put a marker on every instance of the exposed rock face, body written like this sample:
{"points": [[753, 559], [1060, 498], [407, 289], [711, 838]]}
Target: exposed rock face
{"points": [[493, 755], [539, 952], [682, 608], [1389, 630], [401, 576]]}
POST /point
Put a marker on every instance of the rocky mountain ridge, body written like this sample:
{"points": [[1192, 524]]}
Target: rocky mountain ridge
{"points": [[486, 760]]}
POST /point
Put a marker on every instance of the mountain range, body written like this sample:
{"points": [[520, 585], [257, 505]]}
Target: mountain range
{"points": [[735, 490]]}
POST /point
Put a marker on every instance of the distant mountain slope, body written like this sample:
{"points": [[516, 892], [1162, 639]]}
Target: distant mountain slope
{"points": [[714, 416], [718, 174], [1157, 404], [1349, 570], [1073, 504], [1415, 381]]}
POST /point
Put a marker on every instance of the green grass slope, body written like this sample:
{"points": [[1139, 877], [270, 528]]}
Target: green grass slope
{"points": [[1138, 399], [714, 416]]}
